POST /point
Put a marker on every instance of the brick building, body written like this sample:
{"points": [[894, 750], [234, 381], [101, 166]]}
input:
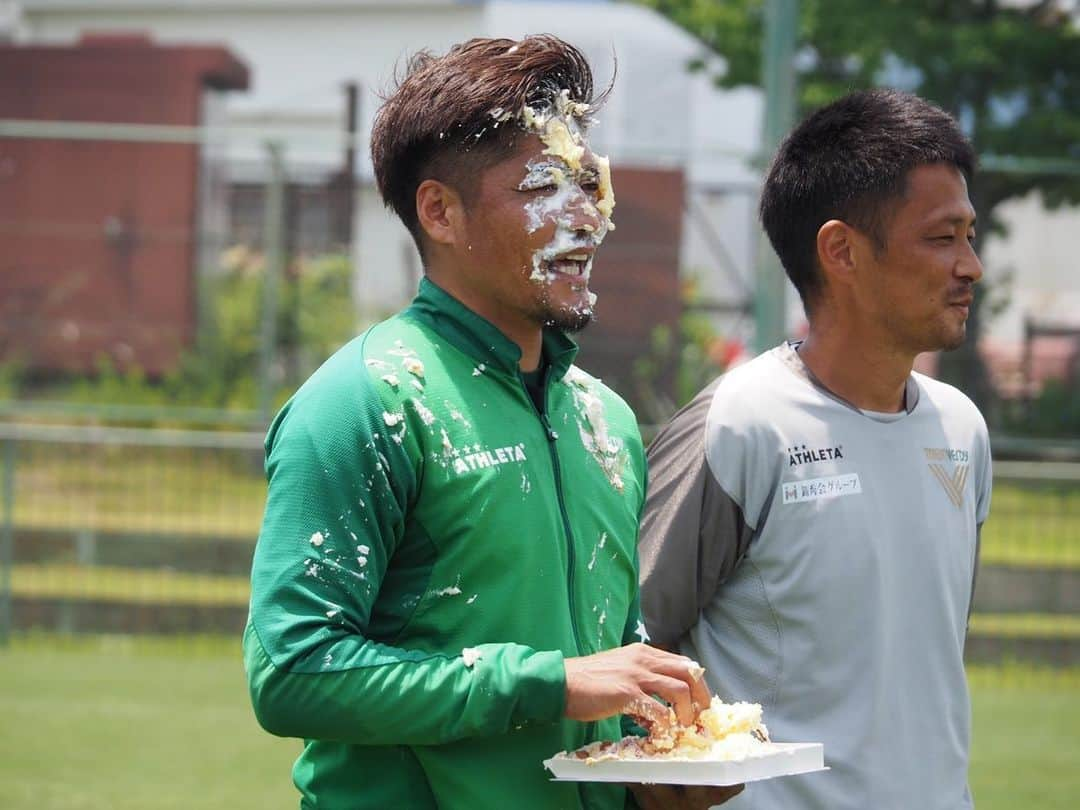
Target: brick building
{"points": [[99, 235]]}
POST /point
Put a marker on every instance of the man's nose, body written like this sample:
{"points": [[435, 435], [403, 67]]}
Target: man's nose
{"points": [[970, 266], [584, 217]]}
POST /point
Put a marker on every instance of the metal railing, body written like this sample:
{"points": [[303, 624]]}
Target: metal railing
{"points": [[126, 530], [151, 531]]}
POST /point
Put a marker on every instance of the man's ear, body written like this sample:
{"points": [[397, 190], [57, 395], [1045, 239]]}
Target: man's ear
{"points": [[441, 213], [838, 251]]}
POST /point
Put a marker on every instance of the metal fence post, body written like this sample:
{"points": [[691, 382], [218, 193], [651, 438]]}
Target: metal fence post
{"points": [[7, 538], [274, 252], [778, 80]]}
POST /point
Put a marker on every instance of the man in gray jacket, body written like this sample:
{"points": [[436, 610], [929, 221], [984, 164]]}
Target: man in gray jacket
{"points": [[811, 528]]}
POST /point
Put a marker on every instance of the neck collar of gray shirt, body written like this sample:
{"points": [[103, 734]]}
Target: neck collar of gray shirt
{"points": [[788, 354]]}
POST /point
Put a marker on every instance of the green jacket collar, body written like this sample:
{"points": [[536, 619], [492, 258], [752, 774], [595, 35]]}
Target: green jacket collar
{"points": [[478, 337]]}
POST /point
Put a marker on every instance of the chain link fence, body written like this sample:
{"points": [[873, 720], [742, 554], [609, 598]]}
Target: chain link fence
{"points": [[121, 530], [167, 274], [151, 531], [163, 289]]}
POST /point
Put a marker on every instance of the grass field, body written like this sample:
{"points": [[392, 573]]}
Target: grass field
{"points": [[137, 585], [134, 727], [174, 490], [122, 724], [1033, 526]]}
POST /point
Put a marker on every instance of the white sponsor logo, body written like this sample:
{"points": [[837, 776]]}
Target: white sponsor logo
{"points": [[814, 489], [482, 459]]}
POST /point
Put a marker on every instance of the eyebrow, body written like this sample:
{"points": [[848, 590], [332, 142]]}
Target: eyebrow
{"points": [[538, 172], [561, 165], [953, 220], [550, 163]]}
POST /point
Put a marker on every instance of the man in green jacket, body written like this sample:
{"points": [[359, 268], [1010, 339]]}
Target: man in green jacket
{"points": [[444, 591]]}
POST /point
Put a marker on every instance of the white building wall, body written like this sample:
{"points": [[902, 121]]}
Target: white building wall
{"points": [[1034, 268], [300, 57], [301, 54]]}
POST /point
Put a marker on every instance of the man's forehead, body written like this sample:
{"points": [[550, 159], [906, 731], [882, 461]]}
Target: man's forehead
{"points": [[533, 153], [936, 192]]}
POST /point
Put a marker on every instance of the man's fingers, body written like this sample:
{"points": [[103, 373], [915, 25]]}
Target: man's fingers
{"points": [[700, 797], [605, 683], [656, 797], [730, 792], [683, 685], [676, 692], [699, 690], [682, 797], [651, 713]]}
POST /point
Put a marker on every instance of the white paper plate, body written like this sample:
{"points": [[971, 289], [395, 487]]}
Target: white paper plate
{"points": [[780, 759]]}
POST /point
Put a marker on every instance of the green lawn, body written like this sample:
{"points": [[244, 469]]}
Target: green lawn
{"points": [[134, 585], [1033, 526], [1026, 625], [144, 724], [1025, 746], [144, 727], [198, 492]]}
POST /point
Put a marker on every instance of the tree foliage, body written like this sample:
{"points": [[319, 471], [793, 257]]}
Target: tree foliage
{"points": [[1009, 72]]}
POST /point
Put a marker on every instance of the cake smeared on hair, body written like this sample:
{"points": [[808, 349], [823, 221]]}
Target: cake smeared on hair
{"points": [[452, 115]]}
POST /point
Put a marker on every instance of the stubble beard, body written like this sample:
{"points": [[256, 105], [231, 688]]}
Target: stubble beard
{"points": [[952, 342], [571, 322], [568, 319], [933, 336], [564, 317]]}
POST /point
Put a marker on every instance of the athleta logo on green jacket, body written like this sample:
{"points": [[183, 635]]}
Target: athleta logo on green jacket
{"points": [[481, 458]]}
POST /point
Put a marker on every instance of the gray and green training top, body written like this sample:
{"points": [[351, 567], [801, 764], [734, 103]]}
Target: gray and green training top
{"points": [[433, 546], [819, 560]]}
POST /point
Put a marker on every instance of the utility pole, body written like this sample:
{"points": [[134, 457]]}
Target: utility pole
{"points": [[778, 81], [274, 252]]}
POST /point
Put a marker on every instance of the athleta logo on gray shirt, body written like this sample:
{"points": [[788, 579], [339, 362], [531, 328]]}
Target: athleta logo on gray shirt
{"points": [[800, 455]]}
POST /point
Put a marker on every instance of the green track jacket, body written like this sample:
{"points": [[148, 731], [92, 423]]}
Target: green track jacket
{"points": [[432, 547]]}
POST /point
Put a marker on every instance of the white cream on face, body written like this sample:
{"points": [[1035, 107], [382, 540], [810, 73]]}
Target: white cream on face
{"points": [[559, 128], [556, 206]]}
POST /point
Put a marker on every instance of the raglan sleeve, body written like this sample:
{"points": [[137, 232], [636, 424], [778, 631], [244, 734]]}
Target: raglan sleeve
{"points": [[985, 476], [693, 533], [984, 485], [341, 478]]}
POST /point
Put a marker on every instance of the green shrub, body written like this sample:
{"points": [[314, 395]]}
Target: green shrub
{"points": [[314, 316], [1055, 413]]}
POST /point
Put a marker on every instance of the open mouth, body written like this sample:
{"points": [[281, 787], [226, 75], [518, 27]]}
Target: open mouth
{"points": [[575, 264]]}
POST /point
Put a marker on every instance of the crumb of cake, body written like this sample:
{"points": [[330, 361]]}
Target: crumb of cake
{"points": [[723, 731]]}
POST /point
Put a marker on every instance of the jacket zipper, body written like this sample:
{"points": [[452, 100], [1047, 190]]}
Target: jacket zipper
{"points": [[552, 437]]}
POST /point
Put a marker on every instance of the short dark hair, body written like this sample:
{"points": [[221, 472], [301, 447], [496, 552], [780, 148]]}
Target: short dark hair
{"points": [[452, 115], [850, 161]]}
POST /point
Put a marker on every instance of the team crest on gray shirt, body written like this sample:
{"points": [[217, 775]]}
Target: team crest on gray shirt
{"points": [[953, 480]]}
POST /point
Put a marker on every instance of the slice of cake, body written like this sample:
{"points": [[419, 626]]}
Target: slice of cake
{"points": [[723, 731]]}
